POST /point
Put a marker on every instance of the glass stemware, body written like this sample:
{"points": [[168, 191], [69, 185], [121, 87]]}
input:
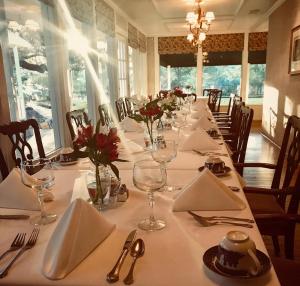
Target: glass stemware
{"points": [[164, 151], [39, 176], [149, 176]]}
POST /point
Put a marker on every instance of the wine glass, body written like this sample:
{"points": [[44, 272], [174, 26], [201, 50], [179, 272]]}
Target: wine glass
{"points": [[39, 176], [149, 176], [164, 151]]}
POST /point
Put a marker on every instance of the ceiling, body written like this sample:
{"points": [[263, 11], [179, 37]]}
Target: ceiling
{"points": [[167, 17]]}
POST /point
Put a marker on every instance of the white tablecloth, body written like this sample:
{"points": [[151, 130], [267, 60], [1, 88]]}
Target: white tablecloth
{"points": [[173, 256]]}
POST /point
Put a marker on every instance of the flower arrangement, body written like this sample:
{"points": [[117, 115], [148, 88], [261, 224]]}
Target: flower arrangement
{"points": [[148, 112], [178, 92], [101, 149]]}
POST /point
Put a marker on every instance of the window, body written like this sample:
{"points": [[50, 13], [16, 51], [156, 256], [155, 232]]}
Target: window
{"points": [[137, 65], [27, 68], [77, 46], [178, 70], [122, 68], [227, 78], [102, 49]]}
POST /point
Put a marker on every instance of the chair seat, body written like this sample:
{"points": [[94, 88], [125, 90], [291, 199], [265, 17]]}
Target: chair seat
{"points": [[263, 204], [288, 271]]}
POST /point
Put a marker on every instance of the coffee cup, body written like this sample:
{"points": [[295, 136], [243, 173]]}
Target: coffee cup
{"points": [[215, 164], [67, 155], [237, 255]]}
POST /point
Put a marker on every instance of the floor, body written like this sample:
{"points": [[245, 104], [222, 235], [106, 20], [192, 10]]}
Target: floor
{"points": [[260, 149]]}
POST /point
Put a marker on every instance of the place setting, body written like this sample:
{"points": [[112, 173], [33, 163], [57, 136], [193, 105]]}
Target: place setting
{"points": [[216, 165], [236, 257]]}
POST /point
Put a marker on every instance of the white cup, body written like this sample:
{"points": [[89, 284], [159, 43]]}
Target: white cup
{"points": [[237, 254]]}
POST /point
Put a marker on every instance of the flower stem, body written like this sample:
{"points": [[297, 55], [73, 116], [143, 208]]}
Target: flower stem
{"points": [[98, 186]]}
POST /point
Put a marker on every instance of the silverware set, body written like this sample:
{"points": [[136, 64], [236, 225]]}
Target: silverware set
{"points": [[19, 244], [136, 249], [221, 220]]}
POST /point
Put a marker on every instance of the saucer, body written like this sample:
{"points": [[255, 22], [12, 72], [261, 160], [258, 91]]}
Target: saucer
{"points": [[210, 258], [218, 174]]}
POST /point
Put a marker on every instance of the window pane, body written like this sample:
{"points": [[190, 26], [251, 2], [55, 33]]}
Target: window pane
{"points": [[77, 68], [183, 76], [226, 78], [29, 94], [256, 83]]}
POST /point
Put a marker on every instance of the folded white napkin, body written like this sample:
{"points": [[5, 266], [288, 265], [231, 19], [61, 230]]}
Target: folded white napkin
{"points": [[207, 193], [198, 140], [80, 230], [14, 194], [203, 122], [130, 125], [80, 190], [129, 146]]}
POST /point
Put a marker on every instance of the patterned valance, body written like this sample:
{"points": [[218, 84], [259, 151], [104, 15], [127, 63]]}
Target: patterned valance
{"points": [[258, 41], [142, 42], [133, 40], [105, 18], [175, 45], [224, 43], [81, 10]]}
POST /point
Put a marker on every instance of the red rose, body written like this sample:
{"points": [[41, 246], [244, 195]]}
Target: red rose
{"points": [[84, 135]]}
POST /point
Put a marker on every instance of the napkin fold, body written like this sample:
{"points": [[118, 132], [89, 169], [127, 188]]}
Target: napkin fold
{"points": [[130, 125], [203, 122], [198, 140], [15, 195], [80, 230], [207, 193]]}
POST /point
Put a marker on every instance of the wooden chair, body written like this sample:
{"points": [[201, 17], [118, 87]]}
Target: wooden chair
{"points": [[78, 118], [214, 98], [121, 110], [224, 115], [246, 117], [18, 132], [3, 167], [273, 216], [129, 106], [105, 117]]}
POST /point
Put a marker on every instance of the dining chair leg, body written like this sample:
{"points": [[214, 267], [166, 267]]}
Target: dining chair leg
{"points": [[289, 243], [276, 245]]}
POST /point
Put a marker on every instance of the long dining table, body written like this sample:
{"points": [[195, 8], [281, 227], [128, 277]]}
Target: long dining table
{"points": [[173, 256]]}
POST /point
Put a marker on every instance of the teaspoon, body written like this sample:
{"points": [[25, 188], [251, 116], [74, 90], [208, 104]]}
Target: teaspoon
{"points": [[137, 251]]}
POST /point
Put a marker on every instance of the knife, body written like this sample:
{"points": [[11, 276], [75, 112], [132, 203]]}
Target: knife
{"points": [[14, 216], [113, 275]]}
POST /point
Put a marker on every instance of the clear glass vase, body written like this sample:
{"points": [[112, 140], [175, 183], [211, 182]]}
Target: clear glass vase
{"points": [[99, 186]]}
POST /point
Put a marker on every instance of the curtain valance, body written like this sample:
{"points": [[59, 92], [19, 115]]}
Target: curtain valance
{"points": [[258, 41], [81, 10], [133, 40], [105, 18], [142, 42]]}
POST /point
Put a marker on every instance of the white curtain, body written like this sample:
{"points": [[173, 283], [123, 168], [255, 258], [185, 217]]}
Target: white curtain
{"points": [[139, 60]]}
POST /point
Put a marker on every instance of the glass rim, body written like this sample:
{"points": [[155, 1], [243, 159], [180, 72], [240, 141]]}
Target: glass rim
{"points": [[35, 162]]}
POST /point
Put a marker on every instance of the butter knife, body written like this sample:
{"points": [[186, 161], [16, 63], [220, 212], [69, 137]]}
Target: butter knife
{"points": [[113, 275], [14, 216]]}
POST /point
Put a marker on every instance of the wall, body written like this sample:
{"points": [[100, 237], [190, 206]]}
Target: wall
{"points": [[282, 91]]}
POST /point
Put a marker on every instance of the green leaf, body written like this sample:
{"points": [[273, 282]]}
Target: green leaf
{"points": [[98, 126], [115, 170]]}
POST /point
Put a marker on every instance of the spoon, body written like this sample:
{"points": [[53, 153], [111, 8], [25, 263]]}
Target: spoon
{"points": [[137, 251]]}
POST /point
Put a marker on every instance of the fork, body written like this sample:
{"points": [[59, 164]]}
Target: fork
{"points": [[206, 223], [221, 218], [17, 243], [30, 243]]}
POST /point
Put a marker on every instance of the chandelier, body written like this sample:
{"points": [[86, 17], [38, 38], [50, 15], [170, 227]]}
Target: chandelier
{"points": [[199, 23]]}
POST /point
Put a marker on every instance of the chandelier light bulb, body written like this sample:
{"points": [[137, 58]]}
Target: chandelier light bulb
{"points": [[191, 17], [190, 37], [209, 16], [202, 36]]}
